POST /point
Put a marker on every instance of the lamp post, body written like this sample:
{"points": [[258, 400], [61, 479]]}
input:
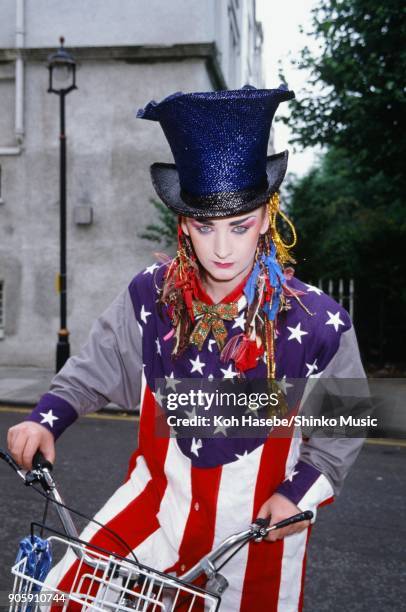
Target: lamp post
{"points": [[62, 80]]}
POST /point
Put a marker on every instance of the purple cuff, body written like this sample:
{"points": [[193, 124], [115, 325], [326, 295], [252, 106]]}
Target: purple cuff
{"points": [[298, 482], [54, 413]]}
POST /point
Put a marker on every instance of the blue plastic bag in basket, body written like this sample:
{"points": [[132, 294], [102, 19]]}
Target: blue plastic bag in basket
{"points": [[39, 558]]}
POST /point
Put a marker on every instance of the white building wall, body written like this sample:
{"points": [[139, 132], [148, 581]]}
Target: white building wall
{"points": [[7, 23], [110, 22]]}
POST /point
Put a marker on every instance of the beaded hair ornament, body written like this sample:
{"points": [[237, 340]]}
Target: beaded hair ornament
{"points": [[266, 291]]}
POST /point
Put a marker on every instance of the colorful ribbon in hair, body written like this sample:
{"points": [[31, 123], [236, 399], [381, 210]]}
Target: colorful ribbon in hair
{"points": [[274, 279]]}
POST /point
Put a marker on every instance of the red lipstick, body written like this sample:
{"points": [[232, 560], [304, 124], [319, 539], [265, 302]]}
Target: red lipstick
{"points": [[222, 265]]}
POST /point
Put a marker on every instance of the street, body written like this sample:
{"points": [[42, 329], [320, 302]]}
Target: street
{"points": [[357, 547]]}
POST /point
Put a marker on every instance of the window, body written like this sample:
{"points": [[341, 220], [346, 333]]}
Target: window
{"points": [[1, 309]]}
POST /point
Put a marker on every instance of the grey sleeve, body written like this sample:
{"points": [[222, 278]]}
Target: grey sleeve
{"points": [[108, 367], [335, 456]]}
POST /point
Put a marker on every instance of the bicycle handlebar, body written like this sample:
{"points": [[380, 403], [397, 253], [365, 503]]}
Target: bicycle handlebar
{"points": [[41, 473], [257, 531]]}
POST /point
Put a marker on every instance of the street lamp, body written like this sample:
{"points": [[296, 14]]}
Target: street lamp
{"points": [[62, 80]]}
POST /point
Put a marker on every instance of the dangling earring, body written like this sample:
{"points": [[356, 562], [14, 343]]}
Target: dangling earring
{"points": [[282, 249]]}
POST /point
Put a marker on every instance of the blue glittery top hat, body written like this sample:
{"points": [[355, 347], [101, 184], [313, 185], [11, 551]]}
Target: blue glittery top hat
{"points": [[219, 142]]}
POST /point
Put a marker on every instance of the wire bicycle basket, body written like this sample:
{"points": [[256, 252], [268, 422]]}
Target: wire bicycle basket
{"points": [[111, 584]]}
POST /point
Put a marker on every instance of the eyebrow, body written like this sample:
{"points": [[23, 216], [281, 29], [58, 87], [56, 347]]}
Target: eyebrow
{"points": [[208, 222]]}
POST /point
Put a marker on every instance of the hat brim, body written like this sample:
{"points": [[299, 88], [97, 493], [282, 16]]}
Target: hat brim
{"points": [[165, 179]]}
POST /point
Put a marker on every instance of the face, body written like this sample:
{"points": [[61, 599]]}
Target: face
{"points": [[226, 247]]}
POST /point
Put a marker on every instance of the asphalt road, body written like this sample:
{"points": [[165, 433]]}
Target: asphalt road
{"points": [[356, 559]]}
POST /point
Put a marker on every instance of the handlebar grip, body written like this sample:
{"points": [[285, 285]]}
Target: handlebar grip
{"points": [[39, 462], [307, 515]]}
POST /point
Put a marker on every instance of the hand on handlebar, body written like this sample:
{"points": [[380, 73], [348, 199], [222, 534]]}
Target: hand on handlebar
{"points": [[280, 508], [26, 438]]}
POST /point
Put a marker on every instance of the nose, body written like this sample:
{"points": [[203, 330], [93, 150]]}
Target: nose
{"points": [[222, 247]]}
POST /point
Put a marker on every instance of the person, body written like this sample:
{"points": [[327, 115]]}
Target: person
{"points": [[227, 307]]}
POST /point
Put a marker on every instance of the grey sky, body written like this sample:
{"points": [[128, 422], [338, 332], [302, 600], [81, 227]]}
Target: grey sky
{"points": [[282, 41]]}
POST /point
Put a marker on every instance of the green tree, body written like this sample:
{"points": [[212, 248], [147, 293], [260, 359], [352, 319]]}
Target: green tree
{"points": [[325, 209], [355, 94]]}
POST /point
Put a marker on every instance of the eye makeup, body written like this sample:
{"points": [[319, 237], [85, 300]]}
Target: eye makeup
{"points": [[201, 227], [204, 225], [249, 223]]}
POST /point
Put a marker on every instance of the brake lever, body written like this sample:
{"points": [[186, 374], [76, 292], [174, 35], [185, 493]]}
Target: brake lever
{"points": [[260, 528]]}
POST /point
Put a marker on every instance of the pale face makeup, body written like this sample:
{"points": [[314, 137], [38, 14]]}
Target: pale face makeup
{"points": [[225, 248]]}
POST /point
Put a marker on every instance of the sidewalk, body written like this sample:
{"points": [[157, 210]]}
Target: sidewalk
{"points": [[24, 386]]}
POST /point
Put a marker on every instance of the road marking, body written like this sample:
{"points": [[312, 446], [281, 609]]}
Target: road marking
{"points": [[114, 417], [386, 442], [14, 409], [111, 417]]}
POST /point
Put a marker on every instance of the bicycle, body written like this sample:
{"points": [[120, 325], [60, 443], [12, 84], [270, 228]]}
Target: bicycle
{"points": [[106, 581]]}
